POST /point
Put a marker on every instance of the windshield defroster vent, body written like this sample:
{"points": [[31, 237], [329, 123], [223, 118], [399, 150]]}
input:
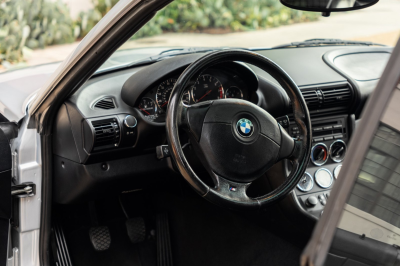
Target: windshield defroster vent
{"points": [[105, 103]]}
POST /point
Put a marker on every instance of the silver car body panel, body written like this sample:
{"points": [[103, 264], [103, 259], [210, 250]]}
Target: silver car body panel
{"points": [[27, 148]]}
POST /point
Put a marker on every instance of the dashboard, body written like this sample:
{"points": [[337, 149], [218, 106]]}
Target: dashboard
{"points": [[106, 134]]}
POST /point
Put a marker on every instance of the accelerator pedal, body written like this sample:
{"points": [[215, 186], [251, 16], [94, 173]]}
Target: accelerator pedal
{"points": [[164, 250], [100, 237], [136, 229]]}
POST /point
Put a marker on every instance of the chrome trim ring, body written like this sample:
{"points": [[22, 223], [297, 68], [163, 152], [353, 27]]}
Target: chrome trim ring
{"points": [[336, 171], [330, 150], [126, 123], [312, 183], [316, 179], [312, 151]]}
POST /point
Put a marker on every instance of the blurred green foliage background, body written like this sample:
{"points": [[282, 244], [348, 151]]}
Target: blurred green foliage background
{"points": [[31, 24]]}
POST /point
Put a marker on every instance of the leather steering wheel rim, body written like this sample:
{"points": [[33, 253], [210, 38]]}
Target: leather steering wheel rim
{"points": [[230, 192]]}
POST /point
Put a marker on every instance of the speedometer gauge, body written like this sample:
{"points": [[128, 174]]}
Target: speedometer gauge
{"points": [[207, 88], [164, 92]]}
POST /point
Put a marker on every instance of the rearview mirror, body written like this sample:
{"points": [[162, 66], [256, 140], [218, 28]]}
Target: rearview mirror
{"points": [[328, 6]]}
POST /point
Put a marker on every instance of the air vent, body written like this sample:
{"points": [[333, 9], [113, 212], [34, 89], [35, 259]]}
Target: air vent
{"points": [[311, 98], [105, 103], [107, 133], [336, 96], [327, 97]]}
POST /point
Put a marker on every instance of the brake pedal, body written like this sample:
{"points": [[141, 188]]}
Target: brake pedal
{"points": [[100, 237], [164, 249], [136, 229]]}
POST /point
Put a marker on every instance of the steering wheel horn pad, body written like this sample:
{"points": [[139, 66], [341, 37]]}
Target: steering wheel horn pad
{"points": [[237, 141], [227, 150]]}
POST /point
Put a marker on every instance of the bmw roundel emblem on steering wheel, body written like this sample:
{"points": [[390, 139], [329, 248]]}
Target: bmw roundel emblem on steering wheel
{"points": [[244, 127]]}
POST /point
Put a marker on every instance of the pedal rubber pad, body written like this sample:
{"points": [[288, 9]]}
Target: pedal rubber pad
{"points": [[100, 237], [136, 229]]}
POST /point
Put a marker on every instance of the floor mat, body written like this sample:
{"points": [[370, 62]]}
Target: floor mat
{"points": [[204, 234]]}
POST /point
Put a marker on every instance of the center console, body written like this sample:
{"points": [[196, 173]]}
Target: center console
{"points": [[330, 139]]}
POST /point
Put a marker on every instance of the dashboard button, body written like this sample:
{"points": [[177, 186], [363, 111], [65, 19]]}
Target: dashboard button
{"points": [[316, 129], [327, 128], [130, 121], [328, 138], [317, 139], [311, 201], [337, 126], [338, 136]]}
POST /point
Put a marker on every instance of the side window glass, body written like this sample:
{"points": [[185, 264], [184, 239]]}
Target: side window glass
{"points": [[369, 230]]}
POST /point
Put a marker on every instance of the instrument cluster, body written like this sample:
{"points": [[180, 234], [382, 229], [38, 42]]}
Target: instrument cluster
{"points": [[211, 85]]}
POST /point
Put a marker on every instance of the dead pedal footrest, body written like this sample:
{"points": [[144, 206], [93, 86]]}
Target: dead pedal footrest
{"points": [[100, 237]]}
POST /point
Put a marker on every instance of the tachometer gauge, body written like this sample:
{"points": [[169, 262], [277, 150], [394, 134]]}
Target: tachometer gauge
{"points": [[147, 106], [207, 88], [164, 92], [234, 92]]}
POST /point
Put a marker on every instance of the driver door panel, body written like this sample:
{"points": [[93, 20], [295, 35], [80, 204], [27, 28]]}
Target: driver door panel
{"points": [[5, 195]]}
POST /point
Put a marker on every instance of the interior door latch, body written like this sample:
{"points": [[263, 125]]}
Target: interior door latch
{"points": [[23, 190]]}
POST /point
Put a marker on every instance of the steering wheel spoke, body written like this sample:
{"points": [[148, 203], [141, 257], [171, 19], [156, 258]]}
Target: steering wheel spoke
{"points": [[288, 145], [231, 194], [231, 190]]}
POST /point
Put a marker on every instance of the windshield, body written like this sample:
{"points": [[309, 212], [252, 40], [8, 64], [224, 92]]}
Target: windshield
{"points": [[252, 24], [51, 30]]}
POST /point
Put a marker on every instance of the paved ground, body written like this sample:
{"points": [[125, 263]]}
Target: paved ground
{"points": [[379, 23]]}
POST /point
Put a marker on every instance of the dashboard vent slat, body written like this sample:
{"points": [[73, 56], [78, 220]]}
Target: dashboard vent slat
{"points": [[107, 133], [105, 103], [338, 95], [311, 98]]}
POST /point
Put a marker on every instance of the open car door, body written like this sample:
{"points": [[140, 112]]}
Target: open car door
{"points": [[361, 222], [5, 196]]}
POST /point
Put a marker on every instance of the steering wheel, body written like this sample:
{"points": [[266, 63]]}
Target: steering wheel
{"points": [[235, 140]]}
